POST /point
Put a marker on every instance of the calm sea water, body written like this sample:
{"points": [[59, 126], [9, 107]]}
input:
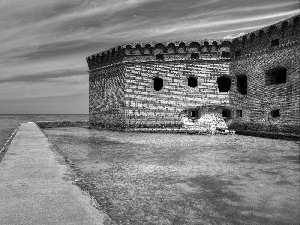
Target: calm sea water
{"points": [[8, 123], [188, 179]]}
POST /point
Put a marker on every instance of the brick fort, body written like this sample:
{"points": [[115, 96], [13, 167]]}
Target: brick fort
{"points": [[247, 83]]}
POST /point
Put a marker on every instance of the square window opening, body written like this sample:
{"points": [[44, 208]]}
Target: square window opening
{"points": [[192, 81], [275, 113], [276, 76], [193, 114], [238, 53], [160, 57], [226, 114], [224, 83], [275, 43], [225, 54], [195, 56]]}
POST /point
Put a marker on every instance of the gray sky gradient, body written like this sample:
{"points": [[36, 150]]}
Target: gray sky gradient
{"points": [[44, 43]]}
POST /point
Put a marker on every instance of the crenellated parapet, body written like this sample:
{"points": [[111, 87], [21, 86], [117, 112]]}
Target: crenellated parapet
{"points": [[282, 34], [162, 51], [110, 56]]}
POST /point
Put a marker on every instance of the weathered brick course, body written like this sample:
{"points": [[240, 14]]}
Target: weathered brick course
{"points": [[257, 57], [122, 87]]}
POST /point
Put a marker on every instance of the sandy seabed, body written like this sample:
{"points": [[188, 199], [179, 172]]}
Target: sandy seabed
{"points": [[188, 179]]}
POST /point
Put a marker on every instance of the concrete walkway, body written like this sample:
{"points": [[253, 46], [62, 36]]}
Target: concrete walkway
{"points": [[36, 186]]}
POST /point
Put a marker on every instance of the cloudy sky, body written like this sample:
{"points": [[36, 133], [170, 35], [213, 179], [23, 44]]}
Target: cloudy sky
{"points": [[44, 43]]}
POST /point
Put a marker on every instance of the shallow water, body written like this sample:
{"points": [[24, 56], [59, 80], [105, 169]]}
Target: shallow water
{"points": [[8, 123], [189, 179]]}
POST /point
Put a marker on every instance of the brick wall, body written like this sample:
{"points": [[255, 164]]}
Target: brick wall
{"points": [[260, 99], [121, 80], [257, 57], [106, 96], [148, 107], [204, 49]]}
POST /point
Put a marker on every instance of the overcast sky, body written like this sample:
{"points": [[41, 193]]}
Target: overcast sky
{"points": [[44, 43]]}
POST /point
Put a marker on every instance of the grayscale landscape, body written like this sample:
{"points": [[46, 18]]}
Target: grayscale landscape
{"points": [[149, 112]]}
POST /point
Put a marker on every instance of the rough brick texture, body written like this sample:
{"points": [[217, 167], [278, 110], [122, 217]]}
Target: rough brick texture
{"points": [[106, 96], [122, 87], [257, 57], [148, 107]]}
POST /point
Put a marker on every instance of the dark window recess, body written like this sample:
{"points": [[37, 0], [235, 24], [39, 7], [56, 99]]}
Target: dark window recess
{"points": [[195, 56], [160, 57], [260, 35], [224, 84], [275, 43], [276, 76], [244, 41], [275, 113], [193, 114], [297, 23], [239, 113], [226, 113], [158, 83], [192, 81], [226, 54], [238, 53], [241, 83]]}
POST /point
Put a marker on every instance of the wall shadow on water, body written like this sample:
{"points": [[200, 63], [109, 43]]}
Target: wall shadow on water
{"points": [[174, 183], [214, 202]]}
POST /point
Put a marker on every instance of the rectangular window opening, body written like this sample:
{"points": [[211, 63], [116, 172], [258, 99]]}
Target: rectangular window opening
{"points": [[276, 76], [238, 53], [274, 42], [241, 83], [275, 113], [226, 54], [239, 113], [226, 114], [160, 57], [193, 113], [195, 56]]}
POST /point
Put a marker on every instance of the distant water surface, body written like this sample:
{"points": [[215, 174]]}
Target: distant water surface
{"points": [[9, 122]]}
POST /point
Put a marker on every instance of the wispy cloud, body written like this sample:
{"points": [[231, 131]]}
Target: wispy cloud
{"points": [[38, 77], [49, 87], [43, 40]]}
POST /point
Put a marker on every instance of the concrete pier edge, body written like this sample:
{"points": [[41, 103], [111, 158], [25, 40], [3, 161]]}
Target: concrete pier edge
{"points": [[99, 200], [15, 198], [78, 181], [7, 143]]}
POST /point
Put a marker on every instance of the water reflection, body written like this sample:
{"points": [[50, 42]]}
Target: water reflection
{"points": [[236, 179]]}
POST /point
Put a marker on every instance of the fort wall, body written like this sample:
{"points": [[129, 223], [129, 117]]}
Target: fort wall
{"points": [[261, 98], [147, 107], [106, 96], [262, 69], [267, 39], [144, 52], [272, 48]]}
